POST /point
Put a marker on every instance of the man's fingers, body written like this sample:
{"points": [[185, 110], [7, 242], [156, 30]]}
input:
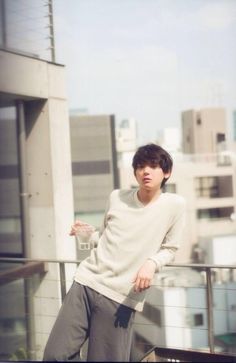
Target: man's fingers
{"points": [[137, 283], [141, 284], [73, 230]]}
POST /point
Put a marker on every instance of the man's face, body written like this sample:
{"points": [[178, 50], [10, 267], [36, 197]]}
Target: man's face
{"points": [[150, 177]]}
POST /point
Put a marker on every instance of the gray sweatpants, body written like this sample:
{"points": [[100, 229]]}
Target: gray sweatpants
{"points": [[88, 314]]}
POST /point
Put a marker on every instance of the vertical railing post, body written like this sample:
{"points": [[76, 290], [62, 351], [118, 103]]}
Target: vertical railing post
{"points": [[3, 22], [209, 298], [62, 280], [51, 27]]}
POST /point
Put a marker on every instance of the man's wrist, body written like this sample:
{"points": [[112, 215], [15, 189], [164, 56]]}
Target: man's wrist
{"points": [[155, 263]]}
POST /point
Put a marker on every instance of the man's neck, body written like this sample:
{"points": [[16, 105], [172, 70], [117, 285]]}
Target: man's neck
{"points": [[148, 196]]}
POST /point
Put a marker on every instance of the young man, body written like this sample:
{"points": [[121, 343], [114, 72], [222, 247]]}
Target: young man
{"points": [[141, 233]]}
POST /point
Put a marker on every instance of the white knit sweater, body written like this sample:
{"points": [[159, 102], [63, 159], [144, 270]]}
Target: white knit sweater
{"points": [[132, 233]]}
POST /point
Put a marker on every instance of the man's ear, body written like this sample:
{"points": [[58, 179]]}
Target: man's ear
{"points": [[167, 175]]}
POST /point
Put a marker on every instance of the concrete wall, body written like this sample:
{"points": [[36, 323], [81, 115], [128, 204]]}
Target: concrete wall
{"points": [[200, 129], [41, 86]]}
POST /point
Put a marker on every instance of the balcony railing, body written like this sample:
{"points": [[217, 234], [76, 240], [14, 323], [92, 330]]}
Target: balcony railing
{"points": [[221, 158], [190, 308], [26, 27]]}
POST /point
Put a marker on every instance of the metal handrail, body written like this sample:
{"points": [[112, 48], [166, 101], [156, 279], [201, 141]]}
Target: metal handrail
{"points": [[191, 265], [206, 267]]}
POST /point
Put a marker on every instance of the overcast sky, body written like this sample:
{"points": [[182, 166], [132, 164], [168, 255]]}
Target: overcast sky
{"points": [[148, 59]]}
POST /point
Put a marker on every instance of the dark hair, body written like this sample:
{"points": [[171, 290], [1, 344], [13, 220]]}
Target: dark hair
{"points": [[153, 155]]}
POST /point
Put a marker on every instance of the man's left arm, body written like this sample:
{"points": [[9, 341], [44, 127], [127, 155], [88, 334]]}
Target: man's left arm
{"points": [[165, 254]]}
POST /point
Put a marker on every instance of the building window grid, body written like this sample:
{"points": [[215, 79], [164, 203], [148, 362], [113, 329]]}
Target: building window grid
{"points": [[207, 187], [215, 213]]}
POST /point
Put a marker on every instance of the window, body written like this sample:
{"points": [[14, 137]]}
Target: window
{"points": [[10, 214], [214, 186], [215, 213], [207, 187], [198, 319], [220, 137]]}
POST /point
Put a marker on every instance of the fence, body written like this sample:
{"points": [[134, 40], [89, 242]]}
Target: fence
{"points": [[26, 27], [190, 306]]}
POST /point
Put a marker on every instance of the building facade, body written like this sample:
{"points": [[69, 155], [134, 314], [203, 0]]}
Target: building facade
{"points": [[36, 194], [203, 131], [94, 161]]}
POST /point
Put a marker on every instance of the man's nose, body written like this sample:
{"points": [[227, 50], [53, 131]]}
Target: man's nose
{"points": [[146, 169]]}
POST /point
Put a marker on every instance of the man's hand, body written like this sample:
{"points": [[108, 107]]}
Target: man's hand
{"points": [[80, 227], [144, 276]]}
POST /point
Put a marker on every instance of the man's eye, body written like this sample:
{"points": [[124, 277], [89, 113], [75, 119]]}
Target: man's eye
{"points": [[155, 166]]}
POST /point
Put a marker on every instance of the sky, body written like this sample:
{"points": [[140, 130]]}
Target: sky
{"points": [[148, 59]]}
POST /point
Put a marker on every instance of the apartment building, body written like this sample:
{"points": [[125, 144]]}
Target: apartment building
{"points": [[211, 183], [208, 184]]}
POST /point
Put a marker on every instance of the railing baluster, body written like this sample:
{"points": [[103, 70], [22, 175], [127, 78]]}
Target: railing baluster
{"points": [[209, 298], [62, 280], [12, 275]]}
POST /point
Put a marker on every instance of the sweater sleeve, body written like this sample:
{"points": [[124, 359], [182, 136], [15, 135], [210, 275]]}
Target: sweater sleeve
{"points": [[95, 236], [172, 240]]}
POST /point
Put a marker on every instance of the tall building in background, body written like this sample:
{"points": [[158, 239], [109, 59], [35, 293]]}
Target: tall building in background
{"points": [[204, 131], [208, 182], [94, 164]]}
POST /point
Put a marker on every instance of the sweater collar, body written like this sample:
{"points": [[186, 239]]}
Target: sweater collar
{"points": [[140, 204]]}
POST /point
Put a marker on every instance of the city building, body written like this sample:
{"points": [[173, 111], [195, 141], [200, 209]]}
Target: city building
{"points": [[219, 250], [94, 164], [203, 131], [36, 194], [208, 182]]}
